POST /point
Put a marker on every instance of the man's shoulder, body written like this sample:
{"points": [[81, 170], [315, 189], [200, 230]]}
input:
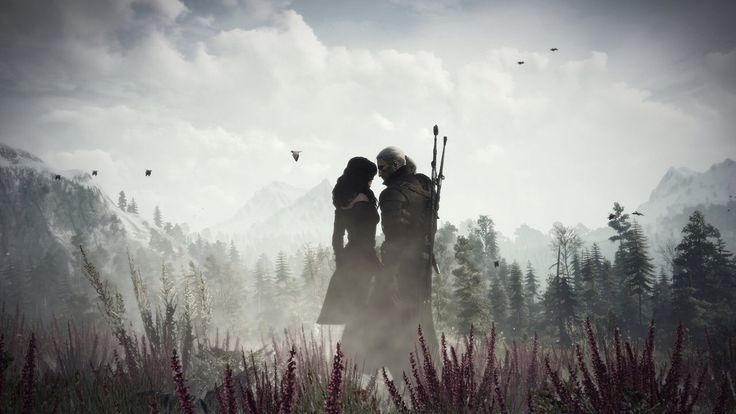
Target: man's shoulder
{"points": [[392, 192], [423, 180]]}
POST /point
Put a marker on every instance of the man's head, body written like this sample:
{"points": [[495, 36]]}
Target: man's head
{"points": [[389, 160]]}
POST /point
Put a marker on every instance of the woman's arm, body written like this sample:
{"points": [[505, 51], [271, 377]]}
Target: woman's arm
{"points": [[338, 233]]}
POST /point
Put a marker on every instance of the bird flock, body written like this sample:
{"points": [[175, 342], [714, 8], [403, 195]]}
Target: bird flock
{"points": [[552, 49], [294, 154]]}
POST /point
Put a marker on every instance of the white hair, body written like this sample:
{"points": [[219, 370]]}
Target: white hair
{"points": [[391, 154]]}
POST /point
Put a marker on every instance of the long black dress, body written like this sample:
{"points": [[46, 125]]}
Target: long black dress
{"points": [[357, 263], [347, 300]]}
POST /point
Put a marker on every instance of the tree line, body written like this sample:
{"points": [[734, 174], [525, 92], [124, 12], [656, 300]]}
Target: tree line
{"points": [[697, 286]]}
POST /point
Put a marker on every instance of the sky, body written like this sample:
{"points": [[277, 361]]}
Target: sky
{"points": [[212, 96]]}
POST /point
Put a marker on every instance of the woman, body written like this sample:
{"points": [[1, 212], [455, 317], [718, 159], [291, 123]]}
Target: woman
{"points": [[356, 262]]}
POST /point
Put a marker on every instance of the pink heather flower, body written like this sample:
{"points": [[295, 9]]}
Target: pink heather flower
{"points": [[27, 376], [334, 387], [185, 400]]}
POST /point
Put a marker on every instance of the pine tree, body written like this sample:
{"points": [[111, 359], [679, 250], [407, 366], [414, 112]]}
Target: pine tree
{"points": [[639, 269], [309, 268], [587, 283], [157, 219], [499, 303], [577, 276], [619, 223], [284, 289], [283, 273], [485, 234], [263, 288], [468, 289], [531, 291], [133, 207], [662, 302], [442, 293], [600, 286], [234, 256], [517, 308], [503, 272], [560, 301], [624, 304], [122, 201], [444, 242], [704, 274], [625, 300]]}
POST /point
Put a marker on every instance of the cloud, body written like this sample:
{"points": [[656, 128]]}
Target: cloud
{"points": [[216, 117], [428, 7]]}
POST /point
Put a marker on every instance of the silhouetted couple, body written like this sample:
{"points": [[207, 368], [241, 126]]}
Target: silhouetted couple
{"points": [[381, 303]]}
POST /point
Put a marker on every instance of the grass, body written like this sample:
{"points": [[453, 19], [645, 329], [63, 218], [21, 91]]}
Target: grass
{"points": [[168, 369], [43, 371]]}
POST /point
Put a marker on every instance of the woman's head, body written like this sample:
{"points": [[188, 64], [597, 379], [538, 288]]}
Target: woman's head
{"points": [[356, 178]]}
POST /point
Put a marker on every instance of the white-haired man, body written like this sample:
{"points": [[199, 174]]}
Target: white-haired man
{"points": [[405, 283]]}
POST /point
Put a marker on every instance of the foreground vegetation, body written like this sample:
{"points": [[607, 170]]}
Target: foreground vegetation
{"points": [[176, 360], [46, 369]]}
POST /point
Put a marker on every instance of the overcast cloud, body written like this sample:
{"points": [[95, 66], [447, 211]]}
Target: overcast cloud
{"points": [[212, 96]]}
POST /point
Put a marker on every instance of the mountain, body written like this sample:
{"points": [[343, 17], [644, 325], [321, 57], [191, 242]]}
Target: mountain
{"points": [[260, 206], [679, 193], [43, 220], [288, 224], [682, 191], [681, 188]]}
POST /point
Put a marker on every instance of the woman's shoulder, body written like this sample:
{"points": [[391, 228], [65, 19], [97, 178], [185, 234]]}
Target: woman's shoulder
{"points": [[359, 198]]}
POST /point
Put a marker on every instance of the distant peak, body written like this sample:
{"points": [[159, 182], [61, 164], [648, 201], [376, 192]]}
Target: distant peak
{"points": [[276, 187], [673, 172], [325, 183], [15, 155], [727, 163], [324, 186]]}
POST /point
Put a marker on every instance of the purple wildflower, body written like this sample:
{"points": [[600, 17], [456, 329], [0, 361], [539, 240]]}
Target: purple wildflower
{"points": [[228, 391], [395, 397], [185, 400], [27, 377], [334, 387], [288, 384]]}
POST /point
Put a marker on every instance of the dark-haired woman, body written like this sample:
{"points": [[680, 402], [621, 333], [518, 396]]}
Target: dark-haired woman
{"points": [[356, 262]]}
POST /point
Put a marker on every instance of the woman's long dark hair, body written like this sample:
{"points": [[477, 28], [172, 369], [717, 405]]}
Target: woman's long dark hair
{"points": [[354, 179]]}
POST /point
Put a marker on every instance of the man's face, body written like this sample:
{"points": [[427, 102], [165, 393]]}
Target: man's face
{"points": [[385, 168]]}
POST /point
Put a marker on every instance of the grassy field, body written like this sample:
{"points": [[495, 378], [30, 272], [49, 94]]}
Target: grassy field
{"points": [[70, 369]]}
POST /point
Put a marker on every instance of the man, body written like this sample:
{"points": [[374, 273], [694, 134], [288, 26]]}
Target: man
{"points": [[406, 220]]}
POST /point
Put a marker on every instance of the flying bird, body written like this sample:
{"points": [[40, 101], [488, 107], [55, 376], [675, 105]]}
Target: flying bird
{"points": [[636, 213], [611, 216], [295, 154], [521, 62], [94, 173], [148, 173], [495, 263], [57, 177], [554, 49]]}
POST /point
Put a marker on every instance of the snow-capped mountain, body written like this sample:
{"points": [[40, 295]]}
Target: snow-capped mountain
{"points": [[282, 221], [681, 188], [45, 215], [679, 193], [682, 191], [261, 205]]}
